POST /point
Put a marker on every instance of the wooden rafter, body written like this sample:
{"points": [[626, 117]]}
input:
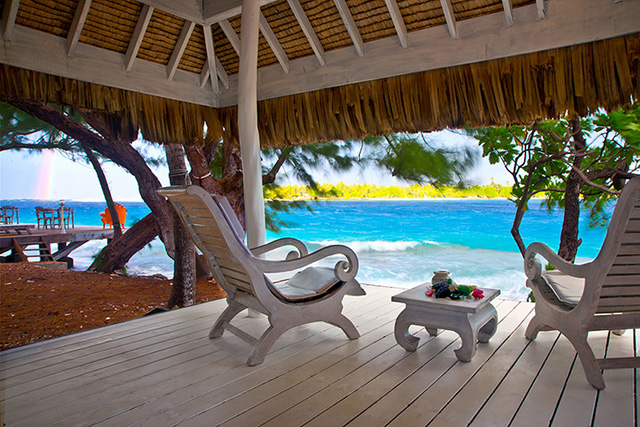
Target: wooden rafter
{"points": [[181, 45], [450, 17], [541, 12], [276, 47], [508, 12], [138, 35], [352, 28], [79, 19], [9, 13], [211, 57], [398, 22], [311, 35], [222, 74], [231, 34]]}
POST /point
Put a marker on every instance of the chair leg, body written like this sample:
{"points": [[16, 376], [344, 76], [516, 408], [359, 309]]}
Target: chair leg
{"points": [[590, 365], [535, 326], [346, 325], [262, 347], [229, 313]]}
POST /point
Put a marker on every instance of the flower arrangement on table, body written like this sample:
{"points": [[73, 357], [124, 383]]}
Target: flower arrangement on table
{"points": [[449, 289]]}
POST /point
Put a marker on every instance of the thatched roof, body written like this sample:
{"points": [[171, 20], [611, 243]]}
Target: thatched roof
{"points": [[329, 69]]}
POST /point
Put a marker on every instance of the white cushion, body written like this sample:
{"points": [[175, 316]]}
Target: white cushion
{"points": [[312, 281], [568, 289]]}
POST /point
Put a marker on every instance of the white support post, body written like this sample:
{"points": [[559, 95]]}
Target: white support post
{"points": [[248, 123]]}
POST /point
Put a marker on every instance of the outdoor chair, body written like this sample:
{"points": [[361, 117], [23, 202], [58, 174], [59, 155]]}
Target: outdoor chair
{"points": [[7, 214], [106, 219], [312, 294], [603, 294], [45, 216]]}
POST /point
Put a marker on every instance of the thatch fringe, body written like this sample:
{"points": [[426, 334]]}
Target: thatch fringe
{"points": [[515, 90]]}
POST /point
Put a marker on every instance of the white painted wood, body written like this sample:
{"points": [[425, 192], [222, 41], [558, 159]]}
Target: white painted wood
{"points": [[218, 10], [398, 22], [352, 28], [591, 311], [275, 45], [77, 24], [508, 12], [248, 124], [486, 38], [178, 50], [189, 10], [451, 18], [37, 51], [222, 74], [138, 36], [540, 4], [231, 34], [9, 13], [298, 11], [211, 57]]}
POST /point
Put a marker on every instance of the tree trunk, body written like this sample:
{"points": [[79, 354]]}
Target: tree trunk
{"points": [[117, 230], [569, 241], [183, 291], [123, 154], [123, 248]]}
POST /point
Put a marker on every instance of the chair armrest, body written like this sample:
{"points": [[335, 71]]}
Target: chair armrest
{"points": [[533, 267], [301, 249], [344, 270]]}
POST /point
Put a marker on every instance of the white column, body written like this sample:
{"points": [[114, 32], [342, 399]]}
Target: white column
{"points": [[248, 123]]}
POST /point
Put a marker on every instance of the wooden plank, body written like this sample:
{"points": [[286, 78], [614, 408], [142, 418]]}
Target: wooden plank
{"points": [[317, 340], [541, 9], [275, 45], [77, 24], [211, 57], [231, 34], [429, 403], [179, 48], [504, 402], [428, 376], [398, 22], [508, 12], [450, 17], [352, 28], [9, 14], [138, 36], [308, 30]]}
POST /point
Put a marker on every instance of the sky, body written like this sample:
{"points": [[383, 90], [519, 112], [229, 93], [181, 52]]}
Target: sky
{"points": [[49, 175]]}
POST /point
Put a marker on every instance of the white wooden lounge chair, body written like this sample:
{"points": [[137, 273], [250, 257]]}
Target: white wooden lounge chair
{"points": [[603, 294], [313, 294]]}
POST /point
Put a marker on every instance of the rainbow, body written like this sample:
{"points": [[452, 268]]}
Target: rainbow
{"points": [[45, 180]]}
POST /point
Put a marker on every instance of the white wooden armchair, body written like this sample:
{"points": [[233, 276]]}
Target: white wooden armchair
{"points": [[603, 294], [313, 294]]}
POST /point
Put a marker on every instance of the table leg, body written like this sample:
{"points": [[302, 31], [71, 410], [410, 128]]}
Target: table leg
{"points": [[401, 332]]}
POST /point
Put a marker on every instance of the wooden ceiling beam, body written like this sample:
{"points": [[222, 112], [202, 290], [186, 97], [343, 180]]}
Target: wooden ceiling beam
{"points": [[189, 10], [541, 9], [398, 22], [275, 45], [9, 14], [508, 12], [308, 30], [211, 57], [231, 34], [138, 35], [452, 25], [218, 10], [178, 50], [77, 24], [352, 28]]}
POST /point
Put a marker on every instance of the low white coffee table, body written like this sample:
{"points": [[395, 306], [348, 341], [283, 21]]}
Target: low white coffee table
{"points": [[473, 320]]}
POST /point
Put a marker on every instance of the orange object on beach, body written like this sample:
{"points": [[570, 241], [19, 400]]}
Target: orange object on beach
{"points": [[105, 216]]}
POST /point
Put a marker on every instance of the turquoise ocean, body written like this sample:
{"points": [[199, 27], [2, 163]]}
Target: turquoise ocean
{"points": [[400, 243]]}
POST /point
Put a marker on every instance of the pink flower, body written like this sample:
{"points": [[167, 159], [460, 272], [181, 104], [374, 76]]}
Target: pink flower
{"points": [[430, 292], [477, 293]]}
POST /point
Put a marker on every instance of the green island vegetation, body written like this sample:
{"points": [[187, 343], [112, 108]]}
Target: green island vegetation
{"points": [[343, 191]]}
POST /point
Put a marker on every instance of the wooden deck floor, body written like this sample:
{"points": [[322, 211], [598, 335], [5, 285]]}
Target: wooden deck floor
{"points": [[163, 370]]}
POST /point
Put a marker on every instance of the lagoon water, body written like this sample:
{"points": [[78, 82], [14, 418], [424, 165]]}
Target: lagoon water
{"points": [[399, 242]]}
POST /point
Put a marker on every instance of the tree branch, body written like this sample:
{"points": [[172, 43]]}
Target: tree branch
{"points": [[270, 177]]}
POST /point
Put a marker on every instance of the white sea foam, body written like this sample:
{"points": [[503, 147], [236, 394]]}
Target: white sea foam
{"points": [[371, 246]]}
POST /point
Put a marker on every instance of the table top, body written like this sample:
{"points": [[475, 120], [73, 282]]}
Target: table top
{"points": [[416, 297]]}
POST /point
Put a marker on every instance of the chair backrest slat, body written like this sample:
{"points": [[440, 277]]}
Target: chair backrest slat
{"points": [[621, 287], [214, 236]]}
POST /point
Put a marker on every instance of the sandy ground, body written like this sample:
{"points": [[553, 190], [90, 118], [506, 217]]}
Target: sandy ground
{"points": [[39, 303]]}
